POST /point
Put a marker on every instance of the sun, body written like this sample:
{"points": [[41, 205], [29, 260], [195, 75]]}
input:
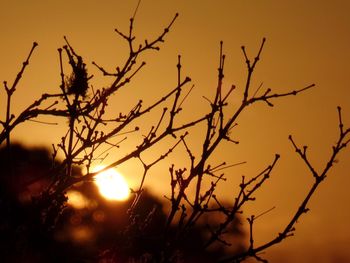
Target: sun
{"points": [[112, 185]]}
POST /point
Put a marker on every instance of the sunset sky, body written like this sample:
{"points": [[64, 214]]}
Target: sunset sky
{"points": [[307, 42]]}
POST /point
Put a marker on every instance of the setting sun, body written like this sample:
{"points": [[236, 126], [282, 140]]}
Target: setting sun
{"points": [[112, 185]]}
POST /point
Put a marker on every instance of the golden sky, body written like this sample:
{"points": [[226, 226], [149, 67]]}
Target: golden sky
{"points": [[307, 42]]}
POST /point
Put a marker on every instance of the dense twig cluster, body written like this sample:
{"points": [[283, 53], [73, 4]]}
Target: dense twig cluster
{"points": [[89, 132]]}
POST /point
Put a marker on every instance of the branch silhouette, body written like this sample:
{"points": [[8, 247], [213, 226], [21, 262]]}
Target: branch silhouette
{"points": [[91, 134]]}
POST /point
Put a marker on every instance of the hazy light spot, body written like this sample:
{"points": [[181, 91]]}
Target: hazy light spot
{"points": [[77, 200], [98, 216], [75, 219], [82, 234]]}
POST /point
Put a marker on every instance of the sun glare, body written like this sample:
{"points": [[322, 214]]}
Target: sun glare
{"points": [[112, 185]]}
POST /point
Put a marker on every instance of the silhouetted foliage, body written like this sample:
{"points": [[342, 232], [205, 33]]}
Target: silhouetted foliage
{"points": [[194, 225], [107, 233]]}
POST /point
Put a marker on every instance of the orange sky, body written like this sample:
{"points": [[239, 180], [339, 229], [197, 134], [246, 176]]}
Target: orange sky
{"points": [[307, 42]]}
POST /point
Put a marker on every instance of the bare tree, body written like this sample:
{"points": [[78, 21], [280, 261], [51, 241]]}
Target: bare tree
{"points": [[92, 133]]}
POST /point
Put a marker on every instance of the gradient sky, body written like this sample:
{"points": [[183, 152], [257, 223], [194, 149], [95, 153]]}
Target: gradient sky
{"points": [[307, 42]]}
